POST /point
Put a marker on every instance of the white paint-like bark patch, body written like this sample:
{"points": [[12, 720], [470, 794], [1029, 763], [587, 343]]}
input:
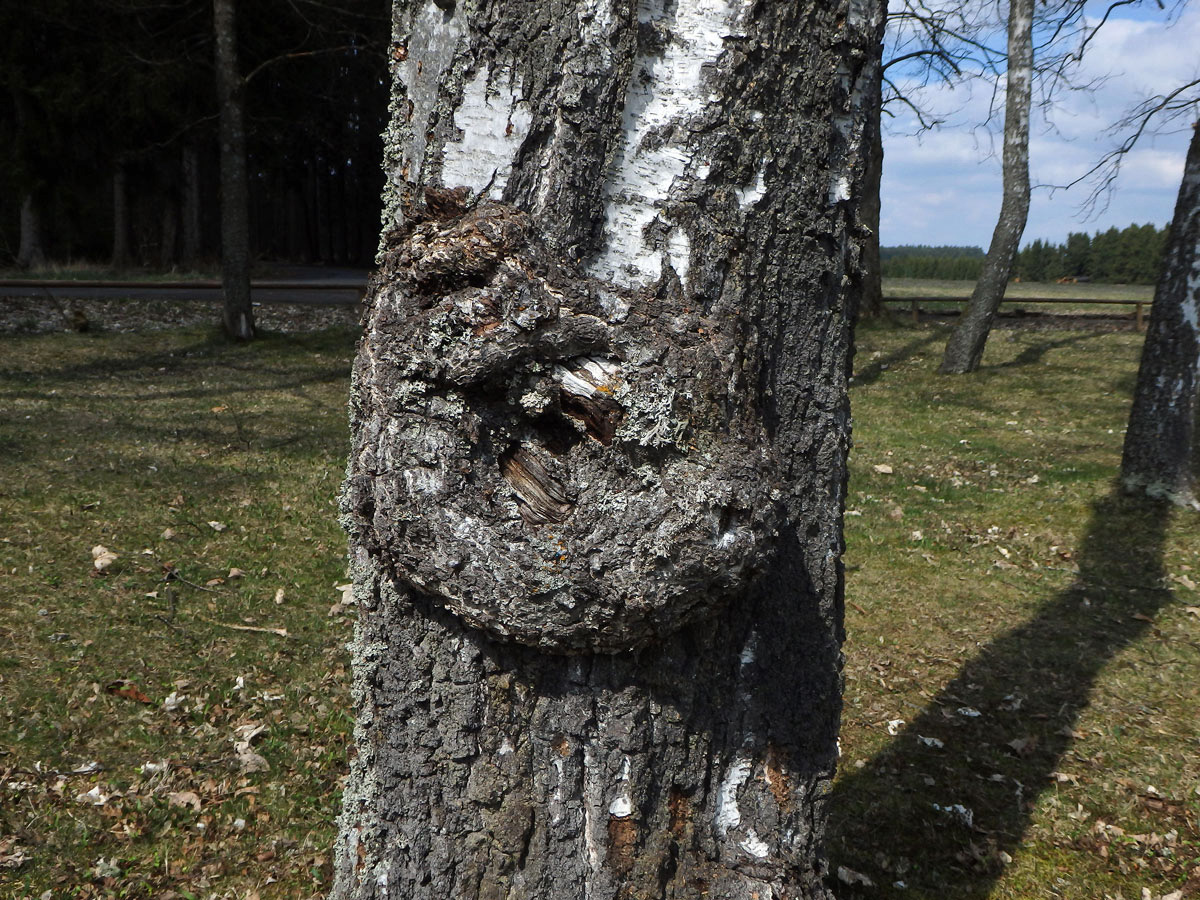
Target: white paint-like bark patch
{"points": [[751, 193], [494, 121], [622, 804], [506, 747], [556, 800], [747, 655], [754, 845], [664, 89], [679, 251], [839, 189], [591, 788], [431, 47], [728, 815]]}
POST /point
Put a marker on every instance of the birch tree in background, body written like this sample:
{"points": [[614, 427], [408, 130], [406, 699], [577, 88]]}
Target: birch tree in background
{"points": [[1159, 454], [964, 350], [600, 424]]}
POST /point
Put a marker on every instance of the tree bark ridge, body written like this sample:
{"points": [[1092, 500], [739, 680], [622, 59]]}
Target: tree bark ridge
{"points": [[1159, 452], [587, 739]]}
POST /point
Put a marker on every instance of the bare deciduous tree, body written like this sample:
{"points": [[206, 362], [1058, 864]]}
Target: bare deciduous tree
{"points": [[964, 350]]}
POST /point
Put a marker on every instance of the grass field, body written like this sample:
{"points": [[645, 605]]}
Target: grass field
{"points": [[160, 736], [924, 287]]}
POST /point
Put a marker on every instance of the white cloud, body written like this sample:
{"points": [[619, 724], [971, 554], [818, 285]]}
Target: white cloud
{"points": [[944, 187]]}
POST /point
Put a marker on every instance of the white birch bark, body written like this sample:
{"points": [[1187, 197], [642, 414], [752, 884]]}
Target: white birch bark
{"points": [[600, 423]]}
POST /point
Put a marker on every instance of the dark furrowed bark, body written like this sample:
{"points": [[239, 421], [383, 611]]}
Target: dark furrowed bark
{"points": [[1159, 454], [237, 313], [600, 426]]}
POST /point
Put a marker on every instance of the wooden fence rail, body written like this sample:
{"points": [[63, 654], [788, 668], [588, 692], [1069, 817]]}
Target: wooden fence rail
{"points": [[1139, 305]]}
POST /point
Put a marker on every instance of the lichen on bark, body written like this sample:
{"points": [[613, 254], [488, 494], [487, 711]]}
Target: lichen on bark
{"points": [[554, 459], [600, 424]]}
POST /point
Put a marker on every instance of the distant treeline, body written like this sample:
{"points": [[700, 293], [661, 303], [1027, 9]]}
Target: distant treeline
{"points": [[1118, 256], [922, 261]]}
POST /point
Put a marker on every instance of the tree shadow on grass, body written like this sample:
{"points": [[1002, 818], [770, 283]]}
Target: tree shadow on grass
{"points": [[1029, 686], [873, 371], [1035, 353]]}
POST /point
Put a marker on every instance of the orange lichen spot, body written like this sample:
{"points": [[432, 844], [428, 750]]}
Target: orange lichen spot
{"points": [[680, 809], [777, 778], [562, 746], [622, 843]]}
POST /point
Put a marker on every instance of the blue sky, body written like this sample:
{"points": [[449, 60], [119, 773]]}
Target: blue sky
{"points": [[943, 186]]}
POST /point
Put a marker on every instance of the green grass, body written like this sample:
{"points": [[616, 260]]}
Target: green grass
{"points": [[140, 443], [991, 569], [926, 287], [994, 569]]}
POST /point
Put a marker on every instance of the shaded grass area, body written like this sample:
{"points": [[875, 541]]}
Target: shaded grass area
{"points": [[991, 570], [1024, 643], [158, 737], [96, 271]]}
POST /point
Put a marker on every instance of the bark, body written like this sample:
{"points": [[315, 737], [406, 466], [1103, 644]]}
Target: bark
{"points": [[191, 205], [600, 424], [169, 233], [120, 220], [1158, 459], [964, 350], [872, 295], [238, 314], [31, 251]]}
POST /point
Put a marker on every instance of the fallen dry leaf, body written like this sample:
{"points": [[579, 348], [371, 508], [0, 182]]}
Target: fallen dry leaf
{"points": [[217, 526], [1023, 746], [188, 799], [127, 689], [102, 557], [883, 469], [849, 876]]}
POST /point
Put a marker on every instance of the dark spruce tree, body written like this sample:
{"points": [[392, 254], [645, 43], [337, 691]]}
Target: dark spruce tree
{"points": [[1158, 458], [600, 426]]}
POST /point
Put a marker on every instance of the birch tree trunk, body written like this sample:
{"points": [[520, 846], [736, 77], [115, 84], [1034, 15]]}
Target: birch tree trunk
{"points": [[1159, 456], [600, 425], [238, 313], [964, 350]]}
